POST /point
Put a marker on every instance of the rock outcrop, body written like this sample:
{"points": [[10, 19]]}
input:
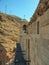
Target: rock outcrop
{"points": [[9, 36]]}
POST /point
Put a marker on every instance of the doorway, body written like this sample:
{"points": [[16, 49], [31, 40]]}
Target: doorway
{"points": [[0, 63]]}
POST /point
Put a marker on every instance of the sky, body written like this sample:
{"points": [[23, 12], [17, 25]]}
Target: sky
{"points": [[21, 8]]}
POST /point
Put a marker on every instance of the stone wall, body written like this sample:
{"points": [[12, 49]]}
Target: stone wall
{"points": [[38, 51], [39, 45], [43, 6], [39, 42]]}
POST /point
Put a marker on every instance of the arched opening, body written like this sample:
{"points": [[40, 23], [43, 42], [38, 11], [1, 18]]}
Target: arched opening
{"points": [[25, 28]]}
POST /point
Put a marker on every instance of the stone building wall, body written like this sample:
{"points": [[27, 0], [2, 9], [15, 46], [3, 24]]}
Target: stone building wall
{"points": [[43, 6], [39, 42], [39, 49]]}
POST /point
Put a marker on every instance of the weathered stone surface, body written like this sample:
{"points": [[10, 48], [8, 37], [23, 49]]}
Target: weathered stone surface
{"points": [[41, 9], [9, 36], [39, 43]]}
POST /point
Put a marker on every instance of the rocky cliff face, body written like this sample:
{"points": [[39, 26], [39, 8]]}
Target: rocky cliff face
{"points": [[41, 9], [9, 35]]}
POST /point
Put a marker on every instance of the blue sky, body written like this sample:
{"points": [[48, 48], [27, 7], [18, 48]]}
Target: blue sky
{"points": [[20, 8]]}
